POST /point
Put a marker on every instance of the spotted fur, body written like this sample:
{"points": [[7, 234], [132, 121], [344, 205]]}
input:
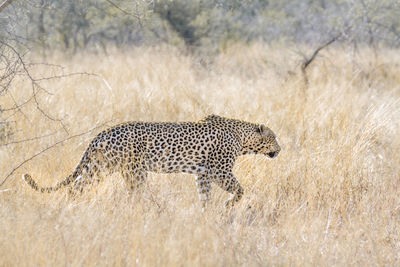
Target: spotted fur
{"points": [[207, 148]]}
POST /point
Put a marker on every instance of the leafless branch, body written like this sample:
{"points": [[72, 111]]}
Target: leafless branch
{"points": [[46, 149], [17, 107], [29, 139], [126, 12], [67, 75], [20, 67], [5, 4], [309, 60]]}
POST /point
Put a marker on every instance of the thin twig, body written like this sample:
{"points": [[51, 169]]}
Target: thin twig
{"points": [[5, 4], [44, 113], [126, 12], [17, 107], [66, 76], [29, 139], [47, 148]]}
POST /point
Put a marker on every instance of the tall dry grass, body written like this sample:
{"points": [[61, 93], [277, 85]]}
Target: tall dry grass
{"points": [[330, 198]]}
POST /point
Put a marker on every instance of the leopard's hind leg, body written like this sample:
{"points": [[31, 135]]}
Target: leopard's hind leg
{"points": [[134, 177]]}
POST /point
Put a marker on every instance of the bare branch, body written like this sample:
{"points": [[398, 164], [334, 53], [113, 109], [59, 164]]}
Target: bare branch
{"points": [[126, 12], [48, 148], [67, 75], [308, 61], [17, 107], [5, 4], [35, 85], [29, 139]]}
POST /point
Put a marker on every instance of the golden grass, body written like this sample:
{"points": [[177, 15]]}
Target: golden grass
{"points": [[330, 198]]}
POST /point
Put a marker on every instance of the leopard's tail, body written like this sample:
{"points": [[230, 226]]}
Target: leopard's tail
{"points": [[84, 164], [29, 180]]}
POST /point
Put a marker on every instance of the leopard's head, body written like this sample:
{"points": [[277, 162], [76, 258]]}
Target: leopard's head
{"points": [[262, 141]]}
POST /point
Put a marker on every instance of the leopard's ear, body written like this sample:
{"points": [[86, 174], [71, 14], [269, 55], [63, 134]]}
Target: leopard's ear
{"points": [[261, 128]]}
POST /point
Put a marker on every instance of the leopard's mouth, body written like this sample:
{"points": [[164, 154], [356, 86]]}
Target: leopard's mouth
{"points": [[272, 154]]}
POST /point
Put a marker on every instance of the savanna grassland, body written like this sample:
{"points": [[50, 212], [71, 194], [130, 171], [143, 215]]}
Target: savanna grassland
{"points": [[330, 198]]}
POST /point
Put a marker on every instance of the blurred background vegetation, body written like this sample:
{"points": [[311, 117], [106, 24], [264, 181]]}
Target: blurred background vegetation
{"points": [[195, 25]]}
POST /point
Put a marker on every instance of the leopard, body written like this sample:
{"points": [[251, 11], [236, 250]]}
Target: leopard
{"points": [[207, 148]]}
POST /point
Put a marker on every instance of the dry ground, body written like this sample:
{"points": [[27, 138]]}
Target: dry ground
{"points": [[330, 198]]}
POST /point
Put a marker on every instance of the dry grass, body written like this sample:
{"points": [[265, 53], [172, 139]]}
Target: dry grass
{"points": [[330, 198]]}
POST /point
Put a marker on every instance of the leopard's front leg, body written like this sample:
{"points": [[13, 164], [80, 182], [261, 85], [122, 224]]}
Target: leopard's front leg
{"points": [[229, 183]]}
